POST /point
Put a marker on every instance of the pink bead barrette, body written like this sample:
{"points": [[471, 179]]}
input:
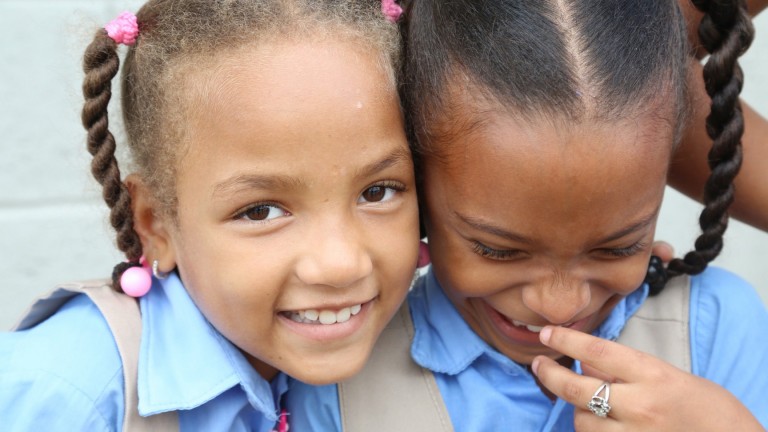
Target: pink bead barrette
{"points": [[391, 10], [136, 281], [124, 29]]}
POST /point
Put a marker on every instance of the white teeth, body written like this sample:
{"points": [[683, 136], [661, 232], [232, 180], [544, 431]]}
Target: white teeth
{"points": [[343, 315], [532, 328], [327, 317], [324, 316]]}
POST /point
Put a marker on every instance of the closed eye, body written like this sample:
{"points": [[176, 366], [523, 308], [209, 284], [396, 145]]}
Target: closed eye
{"points": [[625, 252], [496, 254]]}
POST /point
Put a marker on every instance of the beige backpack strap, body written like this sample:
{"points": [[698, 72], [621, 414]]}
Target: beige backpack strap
{"points": [[392, 392], [661, 325], [123, 317]]}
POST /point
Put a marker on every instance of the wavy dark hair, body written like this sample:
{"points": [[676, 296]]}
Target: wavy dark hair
{"points": [[535, 57]]}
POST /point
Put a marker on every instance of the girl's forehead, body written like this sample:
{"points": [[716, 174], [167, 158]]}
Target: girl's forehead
{"points": [[291, 109], [502, 166], [467, 118], [570, 183]]}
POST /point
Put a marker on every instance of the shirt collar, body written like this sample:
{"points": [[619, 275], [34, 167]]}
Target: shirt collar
{"points": [[185, 362], [443, 342]]}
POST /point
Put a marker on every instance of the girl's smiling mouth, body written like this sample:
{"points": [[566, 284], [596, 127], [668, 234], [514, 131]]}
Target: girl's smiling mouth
{"points": [[324, 316], [327, 324], [524, 333]]}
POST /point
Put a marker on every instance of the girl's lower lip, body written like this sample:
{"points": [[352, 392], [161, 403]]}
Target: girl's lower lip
{"points": [[518, 334], [331, 332]]}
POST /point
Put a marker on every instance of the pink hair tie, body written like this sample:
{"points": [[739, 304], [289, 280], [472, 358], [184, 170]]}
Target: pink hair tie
{"points": [[124, 29], [136, 281], [391, 10]]}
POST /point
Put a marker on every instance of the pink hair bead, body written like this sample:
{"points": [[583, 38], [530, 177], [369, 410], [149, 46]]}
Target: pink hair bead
{"points": [[124, 29], [391, 10], [136, 281]]}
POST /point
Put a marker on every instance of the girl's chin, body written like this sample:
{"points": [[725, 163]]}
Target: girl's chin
{"points": [[322, 374]]}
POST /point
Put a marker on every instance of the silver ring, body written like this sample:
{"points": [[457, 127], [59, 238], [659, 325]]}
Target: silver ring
{"points": [[598, 404]]}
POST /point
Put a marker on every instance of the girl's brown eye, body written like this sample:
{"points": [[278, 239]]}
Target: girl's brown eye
{"points": [[375, 193], [381, 192], [257, 213], [262, 212]]}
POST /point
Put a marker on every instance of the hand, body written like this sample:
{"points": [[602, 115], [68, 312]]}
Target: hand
{"points": [[647, 393]]}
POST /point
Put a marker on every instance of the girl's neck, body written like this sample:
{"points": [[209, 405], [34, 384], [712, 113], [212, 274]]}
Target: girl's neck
{"points": [[264, 370]]}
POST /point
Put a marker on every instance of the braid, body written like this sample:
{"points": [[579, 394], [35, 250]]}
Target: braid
{"points": [[101, 64], [726, 32]]}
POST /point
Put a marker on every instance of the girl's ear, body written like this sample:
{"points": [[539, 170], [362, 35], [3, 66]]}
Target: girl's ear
{"points": [[153, 229]]}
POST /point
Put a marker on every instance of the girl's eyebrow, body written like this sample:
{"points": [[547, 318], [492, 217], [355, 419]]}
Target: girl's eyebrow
{"points": [[240, 182], [491, 229], [503, 233], [398, 155], [254, 181], [634, 227]]}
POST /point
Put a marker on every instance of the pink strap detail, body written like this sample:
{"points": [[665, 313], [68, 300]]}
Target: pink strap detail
{"points": [[391, 10], [282, 425], [124, 29]]}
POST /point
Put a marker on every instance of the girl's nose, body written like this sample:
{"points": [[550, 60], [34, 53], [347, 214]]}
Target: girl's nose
{"points": [[335, 256], [558, 298]]}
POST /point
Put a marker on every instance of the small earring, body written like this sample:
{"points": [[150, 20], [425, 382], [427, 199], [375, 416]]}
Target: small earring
{"points": [[656, 277], [156, 271]]}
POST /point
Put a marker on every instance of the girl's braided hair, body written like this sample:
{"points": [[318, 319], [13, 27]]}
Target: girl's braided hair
{"points": [[175, 38], [726, 32], [538, 57]]}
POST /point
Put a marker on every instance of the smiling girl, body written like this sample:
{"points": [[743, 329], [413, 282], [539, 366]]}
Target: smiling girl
{"points": [[544, 132], [273, 199]]}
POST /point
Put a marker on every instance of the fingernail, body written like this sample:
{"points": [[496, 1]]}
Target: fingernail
{"points": [[535, 366], [545, 334]]}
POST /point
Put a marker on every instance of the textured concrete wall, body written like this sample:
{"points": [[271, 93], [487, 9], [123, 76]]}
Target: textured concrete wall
{"points": [[52, 222]]}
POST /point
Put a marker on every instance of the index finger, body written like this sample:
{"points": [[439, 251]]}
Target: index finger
{"points": [[610, 357]]}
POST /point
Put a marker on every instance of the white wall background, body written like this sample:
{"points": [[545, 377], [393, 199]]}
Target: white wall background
{"points": [[53, 224]]}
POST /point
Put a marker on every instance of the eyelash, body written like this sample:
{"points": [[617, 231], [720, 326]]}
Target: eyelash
{"points": [[494, 254], [500, 255], [627, 251]]}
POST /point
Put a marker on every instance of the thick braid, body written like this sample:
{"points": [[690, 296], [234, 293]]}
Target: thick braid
{"points": [[726, 32], [101, 64]]}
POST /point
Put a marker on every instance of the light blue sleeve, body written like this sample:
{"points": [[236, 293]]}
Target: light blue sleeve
{"points": [[313, 408], [64, 374], [41, 402], [729, 337]]}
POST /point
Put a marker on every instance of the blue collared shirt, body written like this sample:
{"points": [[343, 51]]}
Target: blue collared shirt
{"points": [[485, 391], [65, 373]]}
